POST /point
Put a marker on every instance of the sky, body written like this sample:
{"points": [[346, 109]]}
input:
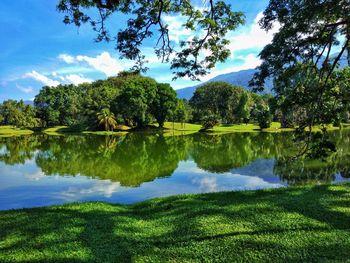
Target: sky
{"points": [[38, 49]]}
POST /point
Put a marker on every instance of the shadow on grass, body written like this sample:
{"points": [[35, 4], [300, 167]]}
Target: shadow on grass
{"points": [[297, 224]]}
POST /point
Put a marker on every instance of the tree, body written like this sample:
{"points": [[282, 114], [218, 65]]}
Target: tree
{"points": [[18, 114], [59, 105], [210, 121], [107, 118], [312, 40], [220, 99], [342, 84], [243, 108], [137, 95], [182, 112], [208, 25], [164, 104], [99, 95], [264, 118]]}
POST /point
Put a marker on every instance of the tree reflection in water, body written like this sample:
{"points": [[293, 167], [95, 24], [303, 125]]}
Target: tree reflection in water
{"points": [[136, 158]]}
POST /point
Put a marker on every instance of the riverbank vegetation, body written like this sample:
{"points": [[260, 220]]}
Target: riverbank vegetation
{"points": [[133, 102], [290, 224]]}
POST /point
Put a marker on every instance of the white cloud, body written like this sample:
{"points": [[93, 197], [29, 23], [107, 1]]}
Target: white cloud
{"points": [[41, 78], [105, 188], [25, 89], [35, 176], [67, 58], [255, 37], [175, 27], [207, 183], [103, 62], [76, 79]]}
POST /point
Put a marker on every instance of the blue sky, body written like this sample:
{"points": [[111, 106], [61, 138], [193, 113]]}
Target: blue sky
{"points": [[37, 49]]}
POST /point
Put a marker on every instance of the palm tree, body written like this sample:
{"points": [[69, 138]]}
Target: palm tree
{"points": [[107, 118]]}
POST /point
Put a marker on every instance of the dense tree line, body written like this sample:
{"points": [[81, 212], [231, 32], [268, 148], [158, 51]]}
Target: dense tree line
{"points": [[129, 98], [139, 101], [17, 113]]}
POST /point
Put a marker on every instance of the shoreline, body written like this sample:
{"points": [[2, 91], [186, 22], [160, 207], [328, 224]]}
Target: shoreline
{"points": [[8, 131]]}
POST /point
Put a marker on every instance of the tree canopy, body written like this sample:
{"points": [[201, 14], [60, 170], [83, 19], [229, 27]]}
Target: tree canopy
{"points": [[227, 103], [312, 40], [17, 113], [208, 25]]}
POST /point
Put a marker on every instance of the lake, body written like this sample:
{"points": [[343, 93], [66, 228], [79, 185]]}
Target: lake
{"points": [[40, 170]]}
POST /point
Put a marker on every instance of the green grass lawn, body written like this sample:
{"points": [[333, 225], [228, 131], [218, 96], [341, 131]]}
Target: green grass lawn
{"points": [[170, 129], [13, 131], [59, 130], [179, 127], [225, 128], [305, 224]]}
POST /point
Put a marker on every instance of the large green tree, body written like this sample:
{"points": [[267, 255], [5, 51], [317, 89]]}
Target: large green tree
{"points": [[137, 95], [312, 40], [97, 96], [59, 105], [209, 25], [164, 104], [219, 99], [183, 112]]}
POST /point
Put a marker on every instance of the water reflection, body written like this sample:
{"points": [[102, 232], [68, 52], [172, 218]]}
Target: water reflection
{"points": [[130, 168]]}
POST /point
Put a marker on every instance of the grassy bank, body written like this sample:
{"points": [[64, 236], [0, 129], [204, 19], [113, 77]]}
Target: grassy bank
{"points": [[13, 131], [169, 128], [230, 128], [292, 224]]}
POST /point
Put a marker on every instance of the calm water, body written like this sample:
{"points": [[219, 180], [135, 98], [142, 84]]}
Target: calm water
{"points": [[39, 170]]}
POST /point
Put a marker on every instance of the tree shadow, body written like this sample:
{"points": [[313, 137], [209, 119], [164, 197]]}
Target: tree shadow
{"points": [[291, 224]]}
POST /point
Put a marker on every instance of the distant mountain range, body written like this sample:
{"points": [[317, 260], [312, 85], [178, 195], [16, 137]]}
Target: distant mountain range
{"points": [[239, 78], [29, 102]]}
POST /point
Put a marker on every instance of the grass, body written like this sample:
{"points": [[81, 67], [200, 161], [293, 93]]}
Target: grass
{"points": [[59, 130], [177, 126], [170, 129], [305, 224], [13, 131]]}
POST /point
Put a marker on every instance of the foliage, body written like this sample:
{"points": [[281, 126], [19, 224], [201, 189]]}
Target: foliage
{"points": [[183, 112], [230, 104], [264, 118], [220, 99], [136, 97], [107, 119], [243, 108], [59, 105], [208, 24], [164, 104], [210, 121], [17, 113], [97, 96], [278, 225], [313, 38]]}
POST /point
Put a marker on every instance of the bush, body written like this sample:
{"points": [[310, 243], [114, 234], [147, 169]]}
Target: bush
{"points": [[209, 122], [264, 119]]}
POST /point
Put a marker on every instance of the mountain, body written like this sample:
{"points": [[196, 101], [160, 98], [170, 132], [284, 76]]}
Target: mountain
{"points": [[29, 102], [239, 78]]}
